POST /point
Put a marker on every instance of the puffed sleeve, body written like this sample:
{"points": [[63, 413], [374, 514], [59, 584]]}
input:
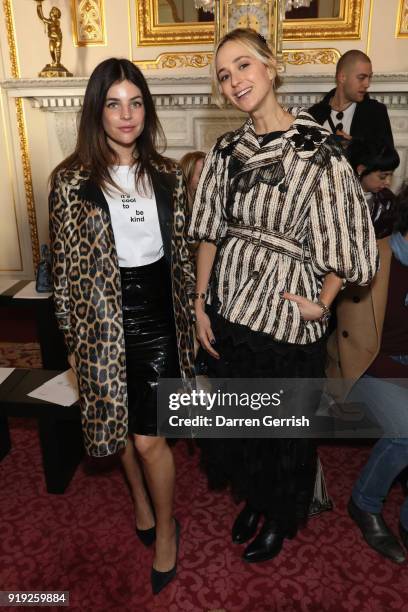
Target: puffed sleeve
{"points": [[208, 220], [58, 215], [341, 234]]}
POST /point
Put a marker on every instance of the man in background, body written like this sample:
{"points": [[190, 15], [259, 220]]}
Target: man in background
{"points": [[348, 111]]}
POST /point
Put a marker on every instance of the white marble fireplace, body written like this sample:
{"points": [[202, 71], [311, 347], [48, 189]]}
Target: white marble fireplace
{"points": [[189, 119]]}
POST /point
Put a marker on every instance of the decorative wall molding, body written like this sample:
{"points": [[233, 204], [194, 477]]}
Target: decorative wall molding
{"points": [[177, 60], [297, 57], [66, 128], [66, 103], [59, 95], [11, 38], [23, 87], [190, 120], [189, 97], [36, 83], [402, 20], [300, 57], [28, 182], [88, 23], [22, 134], [57, 104]]}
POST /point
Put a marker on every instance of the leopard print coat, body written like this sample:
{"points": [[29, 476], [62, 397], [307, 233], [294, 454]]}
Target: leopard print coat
{"points": [[88, 300]]}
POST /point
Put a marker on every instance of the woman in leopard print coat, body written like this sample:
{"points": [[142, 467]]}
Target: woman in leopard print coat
{"points": [[115, 282]]}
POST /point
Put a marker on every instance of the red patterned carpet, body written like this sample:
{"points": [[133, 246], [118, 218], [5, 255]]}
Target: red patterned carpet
{"points": [[83, 542]]}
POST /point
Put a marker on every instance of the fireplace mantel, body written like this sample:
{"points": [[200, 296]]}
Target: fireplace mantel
{"points": [[43, 116], [66, 94]]}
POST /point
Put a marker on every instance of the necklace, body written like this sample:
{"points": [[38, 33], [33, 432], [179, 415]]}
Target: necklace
{"points": [[339, 110]]}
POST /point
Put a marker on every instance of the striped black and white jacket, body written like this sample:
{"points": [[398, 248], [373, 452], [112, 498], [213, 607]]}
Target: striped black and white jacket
{"points": [[283, 215]]}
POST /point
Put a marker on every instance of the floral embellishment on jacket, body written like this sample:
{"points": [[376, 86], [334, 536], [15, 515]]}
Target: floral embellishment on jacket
{"points": [[272, 174], [307, 138]]}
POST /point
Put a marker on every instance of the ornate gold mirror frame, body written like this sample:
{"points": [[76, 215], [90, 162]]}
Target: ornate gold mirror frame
{"points": [[402, 22], [345, 27], [151, 32]]}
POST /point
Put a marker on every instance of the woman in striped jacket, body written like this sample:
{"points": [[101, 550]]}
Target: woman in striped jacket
{"points": [[282, 223]]}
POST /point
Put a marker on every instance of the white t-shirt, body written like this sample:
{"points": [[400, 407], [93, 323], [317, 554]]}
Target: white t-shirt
{"points": [[346, 120], [135, 221]]}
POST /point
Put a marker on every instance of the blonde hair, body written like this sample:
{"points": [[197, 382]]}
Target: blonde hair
{"points": [[187, 164], [256, 45]]}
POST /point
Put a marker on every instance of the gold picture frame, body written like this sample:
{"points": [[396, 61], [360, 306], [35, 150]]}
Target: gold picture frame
{"points": [[402, 20], [345, 27], [150, 32], [88, 23]]}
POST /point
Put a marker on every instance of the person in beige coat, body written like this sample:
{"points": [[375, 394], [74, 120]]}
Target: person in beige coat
{"points": [[369, 346]]}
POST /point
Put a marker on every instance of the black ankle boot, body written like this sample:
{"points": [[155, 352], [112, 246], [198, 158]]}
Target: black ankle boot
{"points": [[376, 533], [245, 525], [267, 544]]}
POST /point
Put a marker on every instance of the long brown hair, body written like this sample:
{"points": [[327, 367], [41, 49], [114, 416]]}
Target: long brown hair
{"points": [[92, 151]]}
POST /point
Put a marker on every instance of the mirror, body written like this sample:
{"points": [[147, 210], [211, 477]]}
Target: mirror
{"points": [[173, 22], [318, 9], [181, 11]]}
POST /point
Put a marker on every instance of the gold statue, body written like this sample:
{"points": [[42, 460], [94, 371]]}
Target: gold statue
{"points": [[54, 33]]}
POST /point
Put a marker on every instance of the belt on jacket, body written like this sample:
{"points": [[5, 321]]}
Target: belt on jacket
{"points": [[274, 241]]}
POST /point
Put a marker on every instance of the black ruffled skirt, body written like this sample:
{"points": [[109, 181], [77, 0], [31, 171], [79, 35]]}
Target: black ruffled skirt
{"points": [[150, 340], [276, 476]]}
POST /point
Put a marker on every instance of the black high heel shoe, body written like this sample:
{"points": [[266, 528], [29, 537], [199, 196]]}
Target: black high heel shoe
{"points": [[146, 536], [160, 580]]}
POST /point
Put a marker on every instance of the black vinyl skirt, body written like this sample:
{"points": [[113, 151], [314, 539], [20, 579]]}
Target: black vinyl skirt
{"points": [[150, 340], [277, 475]]}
